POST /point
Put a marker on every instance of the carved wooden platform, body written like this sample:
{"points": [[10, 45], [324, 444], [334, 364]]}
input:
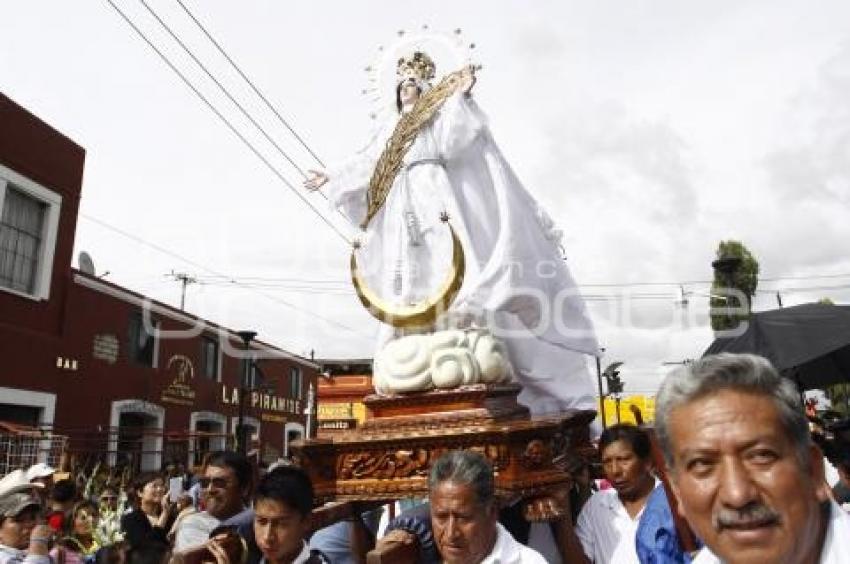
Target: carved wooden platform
{"points": [[390, 456]]}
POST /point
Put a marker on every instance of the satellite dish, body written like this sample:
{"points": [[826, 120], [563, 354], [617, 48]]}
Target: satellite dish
{"points": [[85, 263]]}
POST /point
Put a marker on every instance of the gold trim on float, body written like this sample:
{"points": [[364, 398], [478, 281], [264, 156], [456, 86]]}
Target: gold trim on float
{"points": [[424, 313]]}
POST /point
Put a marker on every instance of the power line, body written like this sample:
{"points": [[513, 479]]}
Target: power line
{"points": [[222, 88], [809, 277], [807, 289], [241, 108], [200, 266], [579, 286], [699, 282], [229, 125], [287, 280], [250, 83]]}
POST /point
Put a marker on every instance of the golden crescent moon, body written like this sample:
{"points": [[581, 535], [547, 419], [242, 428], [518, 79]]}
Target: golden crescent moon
{"points": [[424, 313]]}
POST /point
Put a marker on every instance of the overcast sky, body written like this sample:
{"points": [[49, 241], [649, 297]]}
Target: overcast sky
{"points": [[649, 130]]}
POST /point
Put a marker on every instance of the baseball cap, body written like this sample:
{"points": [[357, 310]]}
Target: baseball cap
{"points": [[15, 482], [40, 470], [11, 505]]}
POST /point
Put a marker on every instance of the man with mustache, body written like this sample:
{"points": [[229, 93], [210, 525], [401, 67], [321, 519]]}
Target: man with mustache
{"points": [[743, 467]]}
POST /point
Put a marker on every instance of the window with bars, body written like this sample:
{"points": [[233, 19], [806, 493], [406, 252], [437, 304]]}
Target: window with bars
{"points": [[142, 341], [21, 231], [248, 373], [209, 358], [296, 383]]}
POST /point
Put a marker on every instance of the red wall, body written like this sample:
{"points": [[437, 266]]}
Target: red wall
{"points": [[91, 312], [34, 149], [34, 333]]}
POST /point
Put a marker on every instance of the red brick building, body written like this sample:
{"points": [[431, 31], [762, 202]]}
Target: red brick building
{"points": [[126, 378]]}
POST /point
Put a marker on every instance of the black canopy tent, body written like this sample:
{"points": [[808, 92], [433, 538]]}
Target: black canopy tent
{"points": [[808, 343]]}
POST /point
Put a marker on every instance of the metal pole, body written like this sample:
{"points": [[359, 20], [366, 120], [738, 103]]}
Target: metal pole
{"points": [[247, 337], [241, 447], [185, 281], [311, 400], [601, 394]]}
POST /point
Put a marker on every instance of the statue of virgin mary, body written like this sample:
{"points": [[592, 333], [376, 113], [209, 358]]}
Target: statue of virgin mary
{"points": [[435, 159]]}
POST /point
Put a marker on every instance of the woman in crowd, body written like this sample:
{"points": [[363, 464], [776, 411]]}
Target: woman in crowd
{"points": [[78, 545], [152, 515]]}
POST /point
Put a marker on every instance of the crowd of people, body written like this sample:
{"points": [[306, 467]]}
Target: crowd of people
{"points": [[732, 471]]}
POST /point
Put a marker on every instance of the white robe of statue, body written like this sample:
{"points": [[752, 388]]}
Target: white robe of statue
{"points": [[516, 284]]}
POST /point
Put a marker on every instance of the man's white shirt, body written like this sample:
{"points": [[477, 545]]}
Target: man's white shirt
{"points": [[194, 530], [836, 544], [606, 531], [9, 555], [508, 551]]}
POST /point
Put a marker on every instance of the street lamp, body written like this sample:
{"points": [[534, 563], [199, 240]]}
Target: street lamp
{"points": [[599, 381], [727, 265], [241, 441], [725, 268], [615, 384]]}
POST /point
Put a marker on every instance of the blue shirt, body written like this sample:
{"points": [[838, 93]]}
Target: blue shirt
{"points": [[656, 540]]}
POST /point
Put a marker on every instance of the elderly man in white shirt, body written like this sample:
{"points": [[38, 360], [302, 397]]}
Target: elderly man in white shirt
{"points": [[606, 527], [748, 478], [464, 515]]}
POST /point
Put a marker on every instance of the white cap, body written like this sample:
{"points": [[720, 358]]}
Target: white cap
{"points": [[15, 482], [40, 470]]}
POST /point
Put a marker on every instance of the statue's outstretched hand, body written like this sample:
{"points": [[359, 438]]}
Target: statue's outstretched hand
{"points": [[316, 180]]}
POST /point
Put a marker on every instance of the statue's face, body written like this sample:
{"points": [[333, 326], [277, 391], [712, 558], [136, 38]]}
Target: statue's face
{"points": [[408, 93]]}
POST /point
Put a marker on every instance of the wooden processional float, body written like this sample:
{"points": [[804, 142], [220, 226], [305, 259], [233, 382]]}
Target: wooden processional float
{"points": [[390, 455]]}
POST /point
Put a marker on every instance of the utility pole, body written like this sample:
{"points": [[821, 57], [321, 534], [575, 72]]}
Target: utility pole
{"points": [[185, 280]]}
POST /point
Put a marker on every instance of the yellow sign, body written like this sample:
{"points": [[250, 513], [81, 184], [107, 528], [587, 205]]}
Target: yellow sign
{"points": [[646, 405], [341, 410]]}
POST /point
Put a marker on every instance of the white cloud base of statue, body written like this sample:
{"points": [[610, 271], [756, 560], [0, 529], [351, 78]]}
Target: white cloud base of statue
{"points": [[441, 360]]}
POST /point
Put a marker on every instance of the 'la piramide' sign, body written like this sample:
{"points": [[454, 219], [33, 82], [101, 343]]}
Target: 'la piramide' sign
{"points": [[267, 402]]}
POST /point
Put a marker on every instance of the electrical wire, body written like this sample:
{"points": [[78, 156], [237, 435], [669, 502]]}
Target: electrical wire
{"points": [[200, 266], [222, 88], [250, 83], [229, 125], [579, 286], [238, 105]]}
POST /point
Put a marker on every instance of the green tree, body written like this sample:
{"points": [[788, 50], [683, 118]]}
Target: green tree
{"points": [[736, 268]]}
